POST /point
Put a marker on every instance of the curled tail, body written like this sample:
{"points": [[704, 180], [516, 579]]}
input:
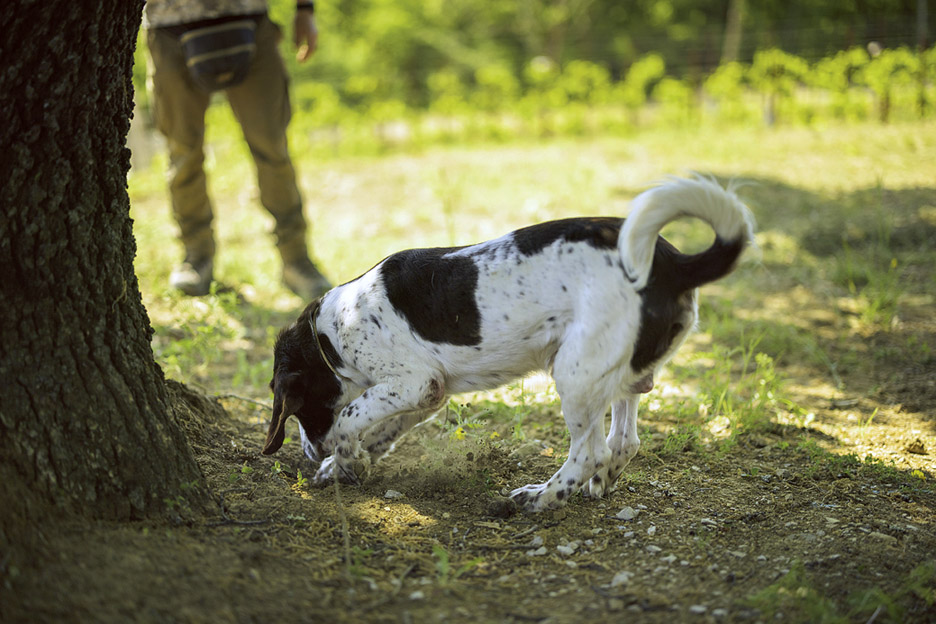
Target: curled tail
{"points": [[698, 197]]}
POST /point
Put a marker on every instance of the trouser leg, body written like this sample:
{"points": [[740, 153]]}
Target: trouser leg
{"points": [[261, 105], [179, 112]]}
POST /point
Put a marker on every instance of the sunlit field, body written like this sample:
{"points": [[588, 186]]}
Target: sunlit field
{"points": [[811, 373], [831, 203]]}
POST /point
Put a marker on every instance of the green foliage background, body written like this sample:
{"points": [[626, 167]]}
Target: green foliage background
{"points": [[416, 72]]}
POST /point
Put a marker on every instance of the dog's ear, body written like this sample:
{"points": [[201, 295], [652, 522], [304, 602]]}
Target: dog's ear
{"points": [[283, 407]]}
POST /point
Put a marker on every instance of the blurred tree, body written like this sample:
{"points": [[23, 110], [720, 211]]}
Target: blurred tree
{"points": [[887, 70], [776, 73], [399, 44], [734, 21]]}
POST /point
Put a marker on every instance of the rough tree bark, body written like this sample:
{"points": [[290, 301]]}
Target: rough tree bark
{"points": [[85, 426]]}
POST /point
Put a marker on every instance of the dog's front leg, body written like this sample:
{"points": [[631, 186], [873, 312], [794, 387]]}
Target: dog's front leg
{"points": [[623, 442], [375, 405], [380, 438]]}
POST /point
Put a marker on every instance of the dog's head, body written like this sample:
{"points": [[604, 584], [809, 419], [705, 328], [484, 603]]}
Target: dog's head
{"points": [[303, 385]]}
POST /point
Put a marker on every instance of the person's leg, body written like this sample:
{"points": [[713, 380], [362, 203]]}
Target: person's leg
{"points": [[261, 105], [179, 111]]}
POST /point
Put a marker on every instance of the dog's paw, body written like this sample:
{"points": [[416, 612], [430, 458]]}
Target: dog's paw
{"points": [[600, 484], [350, 471], [535, 498], [323, 476]]}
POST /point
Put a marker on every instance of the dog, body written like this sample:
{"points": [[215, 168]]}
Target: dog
{"points": [[599, 302]]}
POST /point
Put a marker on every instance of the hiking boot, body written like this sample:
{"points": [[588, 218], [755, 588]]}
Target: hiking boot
{"points": [[193, 277], [303, 278]]}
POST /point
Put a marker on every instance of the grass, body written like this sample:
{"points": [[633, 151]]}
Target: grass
{"points": [[797, 597], [844, 219], [845, 244]]}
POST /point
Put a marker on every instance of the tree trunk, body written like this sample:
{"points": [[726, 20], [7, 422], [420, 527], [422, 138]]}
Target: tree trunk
{"points": [[84, 421], [734, 28]]}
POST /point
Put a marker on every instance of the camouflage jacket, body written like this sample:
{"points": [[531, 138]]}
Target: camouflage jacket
{"points": [[161, 13]]}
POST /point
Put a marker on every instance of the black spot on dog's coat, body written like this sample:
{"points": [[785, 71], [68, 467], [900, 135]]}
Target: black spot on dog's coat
{"points": [[435, 294], [599, 232]]}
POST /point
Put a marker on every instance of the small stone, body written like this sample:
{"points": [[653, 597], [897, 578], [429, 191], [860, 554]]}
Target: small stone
{"points": [[651, 530], [671, 559], [890, 540], [916, 447], [536, 542], [698, 609], [393, 494], [653, 549], [417, 595], [737, 553], [539, 552], [502, 507], [627, 514], [565, 550], [621, 578], [529, 449], [719, 613]]}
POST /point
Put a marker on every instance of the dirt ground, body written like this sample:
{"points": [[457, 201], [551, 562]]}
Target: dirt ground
{"points": [[827, 517], [782, 525]]}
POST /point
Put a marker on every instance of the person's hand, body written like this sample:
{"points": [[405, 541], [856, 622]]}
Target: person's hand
{"points": [[305, 34]]}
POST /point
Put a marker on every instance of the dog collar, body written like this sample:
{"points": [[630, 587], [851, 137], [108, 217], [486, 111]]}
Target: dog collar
{"points": [[318, 344]]}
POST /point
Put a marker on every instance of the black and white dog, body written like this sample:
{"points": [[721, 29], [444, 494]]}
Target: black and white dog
{"points": [[601, 303]]}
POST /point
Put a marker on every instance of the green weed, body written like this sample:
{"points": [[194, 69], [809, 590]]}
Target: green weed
{"points": [[920, 584], [738, 391], [236, 475], [358, 556], [683, 438], [794, 599], [446, 573]]}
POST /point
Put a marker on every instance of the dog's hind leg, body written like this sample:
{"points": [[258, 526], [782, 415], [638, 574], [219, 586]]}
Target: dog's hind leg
{"points": [[623, 442], [588, 453]]}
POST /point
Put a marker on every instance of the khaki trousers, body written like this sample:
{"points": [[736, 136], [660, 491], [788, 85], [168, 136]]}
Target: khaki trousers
{"points": [[261, 106]]}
